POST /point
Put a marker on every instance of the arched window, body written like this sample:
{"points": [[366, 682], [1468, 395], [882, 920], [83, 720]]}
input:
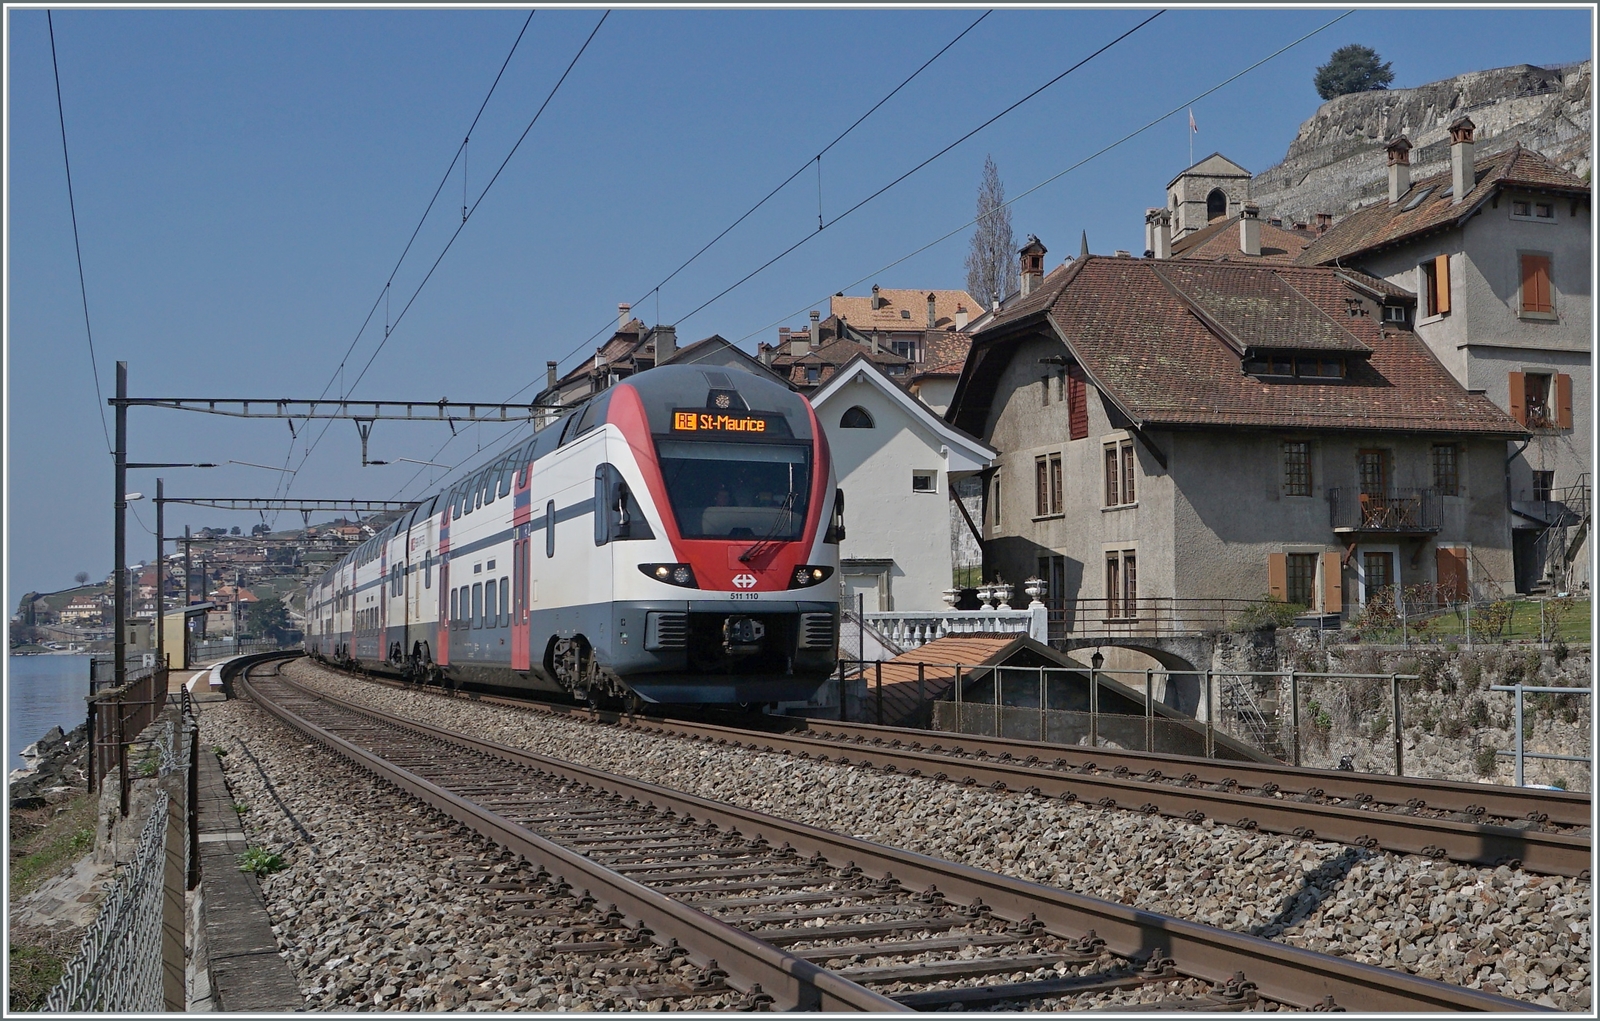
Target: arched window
{"points": [[1216, 204], [856, 418]]}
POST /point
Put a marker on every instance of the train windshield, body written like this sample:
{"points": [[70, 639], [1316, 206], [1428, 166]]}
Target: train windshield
{"points": [[737, 490]]}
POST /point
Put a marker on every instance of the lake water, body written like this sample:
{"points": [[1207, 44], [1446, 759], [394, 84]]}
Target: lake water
{"points": [[42, 692]]}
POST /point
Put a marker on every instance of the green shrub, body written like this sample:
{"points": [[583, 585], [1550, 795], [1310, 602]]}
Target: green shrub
{"points": [[1267, 613], [1484, 761], [1478, 713]]}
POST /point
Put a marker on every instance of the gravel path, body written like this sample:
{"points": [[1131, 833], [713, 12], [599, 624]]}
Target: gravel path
{"points": [[385, 904], [1500, 930]]}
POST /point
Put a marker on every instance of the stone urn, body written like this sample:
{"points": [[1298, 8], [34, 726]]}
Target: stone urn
{"points": [[985, 597], [951, 597], [1036, 589], [1002, 595]]}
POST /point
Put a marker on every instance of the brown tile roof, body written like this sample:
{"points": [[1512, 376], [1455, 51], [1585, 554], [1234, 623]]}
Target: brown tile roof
{"points": [[939, 659], [1254, 310], [1381, 224], [1142, 345], [858, 311], [1220, 241]]}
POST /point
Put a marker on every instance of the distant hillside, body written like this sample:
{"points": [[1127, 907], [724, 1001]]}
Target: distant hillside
{"points": [[1336, 163]]}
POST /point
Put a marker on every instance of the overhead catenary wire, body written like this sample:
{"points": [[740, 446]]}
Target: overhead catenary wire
{"points": [[77, 247], [462, 226], [802, 168], [1054, 177], [384, 293], [809, 236]]}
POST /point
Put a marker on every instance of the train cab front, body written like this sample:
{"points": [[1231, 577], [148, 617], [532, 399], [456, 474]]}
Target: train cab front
{"points": [[743, 603]]}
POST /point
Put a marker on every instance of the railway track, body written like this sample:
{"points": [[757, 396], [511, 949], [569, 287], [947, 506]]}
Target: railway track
{"points": [[1544, 832], [796, 917]]}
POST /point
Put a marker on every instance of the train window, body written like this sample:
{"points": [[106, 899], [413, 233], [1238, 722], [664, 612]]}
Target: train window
{"points": [[477, 605], [455, 609], [505, 602], [550, 529], [491, 605], [503, 481]]}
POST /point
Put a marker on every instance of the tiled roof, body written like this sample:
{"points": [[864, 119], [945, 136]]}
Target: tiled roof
{"points": [[1144, 347], [858, 311], [1253, 310], [1220, 241], [939, 659], [1381, 224]]}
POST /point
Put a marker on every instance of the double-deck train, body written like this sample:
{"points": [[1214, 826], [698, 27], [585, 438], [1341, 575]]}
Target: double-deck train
{"points": [[674, 539]]}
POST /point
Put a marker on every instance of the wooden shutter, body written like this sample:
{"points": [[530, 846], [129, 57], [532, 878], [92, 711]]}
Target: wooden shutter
{"points": [[1451, 570], [1441, 274], [1563, 401], [1077, 403], [1041, 491], [1332, 583], [1536, 284], [1277, 575], [1519, 398]]}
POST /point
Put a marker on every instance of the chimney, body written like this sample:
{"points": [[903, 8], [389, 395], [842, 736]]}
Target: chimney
{"points": [[1032, 255], [874, 341], [961, 317], [549, 373], [666, 342], [931, 317], [816, 324], [1324, 221], [623, 315], [765, 353], [1250, 229], [877, 301], [1399, 168], [1158, 233], [1461, 175]]}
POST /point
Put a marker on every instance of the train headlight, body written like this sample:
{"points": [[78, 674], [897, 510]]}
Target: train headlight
{"points": [[672, 574], [807, 575]]}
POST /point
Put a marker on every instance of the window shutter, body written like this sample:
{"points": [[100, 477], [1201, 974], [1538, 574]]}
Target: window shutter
{"points": [[1563, 401], [1441, 272], [1077, 403], [1536, 284], [1277, 575], [1332, 583], [1519, 398], [1451, 570]]}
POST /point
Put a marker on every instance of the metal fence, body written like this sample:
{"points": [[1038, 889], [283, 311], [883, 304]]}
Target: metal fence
{"points": [[118, 968], [116, 717], [1518, 752], [1149, 617], [202, 651]]}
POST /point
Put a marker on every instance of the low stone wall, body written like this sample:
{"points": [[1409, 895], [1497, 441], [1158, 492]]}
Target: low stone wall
{"points": [[1452, 723]]}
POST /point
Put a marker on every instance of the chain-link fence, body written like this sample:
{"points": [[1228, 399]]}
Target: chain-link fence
{"points": [[118, 966], [131, 958]]}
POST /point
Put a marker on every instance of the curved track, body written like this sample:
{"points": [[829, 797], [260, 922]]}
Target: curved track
{"points": [[765, 901]]}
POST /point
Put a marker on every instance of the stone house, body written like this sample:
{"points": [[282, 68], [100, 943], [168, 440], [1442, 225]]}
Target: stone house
{"points": [[1184, 430], [1497, 251], [918, 337], [896, 461]]}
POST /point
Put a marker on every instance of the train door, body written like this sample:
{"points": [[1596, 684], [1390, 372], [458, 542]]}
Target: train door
{"points": [[442, 653], [519, 604]]}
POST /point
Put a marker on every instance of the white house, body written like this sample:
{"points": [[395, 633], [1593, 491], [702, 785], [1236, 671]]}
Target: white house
{"points": [[895, 459]]}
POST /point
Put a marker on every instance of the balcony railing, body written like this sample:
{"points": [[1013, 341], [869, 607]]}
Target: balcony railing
{"points": [[1151, 617], [1396, 510]]}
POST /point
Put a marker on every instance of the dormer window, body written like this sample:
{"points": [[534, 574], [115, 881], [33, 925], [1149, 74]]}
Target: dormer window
{"points": [[1394, 314], [905, 313], [1291, 365]]}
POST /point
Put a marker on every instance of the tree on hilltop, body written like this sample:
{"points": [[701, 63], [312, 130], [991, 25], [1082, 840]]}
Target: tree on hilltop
{"points": [[1353, 68], [992, 259], [82, 577]]}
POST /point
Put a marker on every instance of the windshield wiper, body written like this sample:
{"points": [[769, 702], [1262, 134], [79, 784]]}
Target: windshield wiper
{"points": [[767, 542]]}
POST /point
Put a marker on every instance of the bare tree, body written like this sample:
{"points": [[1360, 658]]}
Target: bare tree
{"points": [[82, 577], [992, 260]]}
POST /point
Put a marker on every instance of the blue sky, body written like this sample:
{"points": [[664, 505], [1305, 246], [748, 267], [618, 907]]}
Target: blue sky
{"points": [[245, 180]]}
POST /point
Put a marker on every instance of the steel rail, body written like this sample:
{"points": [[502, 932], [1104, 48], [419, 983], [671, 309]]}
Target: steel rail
{"points": [[1283, 973], [1565, 808], [1475, 843], [789, 979]]}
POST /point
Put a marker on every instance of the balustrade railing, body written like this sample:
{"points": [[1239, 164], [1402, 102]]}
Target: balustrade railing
{"points": [[912, 629]]}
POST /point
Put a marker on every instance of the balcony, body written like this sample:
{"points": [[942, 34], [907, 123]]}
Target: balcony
{"points": [[1399, 512]]}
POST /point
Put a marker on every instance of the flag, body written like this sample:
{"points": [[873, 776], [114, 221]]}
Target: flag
{"points": [[1192, 126]]}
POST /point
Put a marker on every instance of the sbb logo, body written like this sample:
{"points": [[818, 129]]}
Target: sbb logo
{"points": [[744, 581]]}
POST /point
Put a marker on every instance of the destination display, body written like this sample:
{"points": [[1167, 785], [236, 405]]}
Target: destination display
{"points": [[719, 422]]}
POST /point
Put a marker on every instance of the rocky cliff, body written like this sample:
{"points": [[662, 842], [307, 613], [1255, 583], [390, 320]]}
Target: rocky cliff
{"points": [[1336, 163]]}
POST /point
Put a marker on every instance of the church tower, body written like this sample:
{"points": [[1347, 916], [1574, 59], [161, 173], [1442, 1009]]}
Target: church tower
{"points": [[1214, 188]]}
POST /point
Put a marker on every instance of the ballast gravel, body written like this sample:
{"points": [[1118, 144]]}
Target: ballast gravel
{"points": [[384, 904], [1501, 930]]}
